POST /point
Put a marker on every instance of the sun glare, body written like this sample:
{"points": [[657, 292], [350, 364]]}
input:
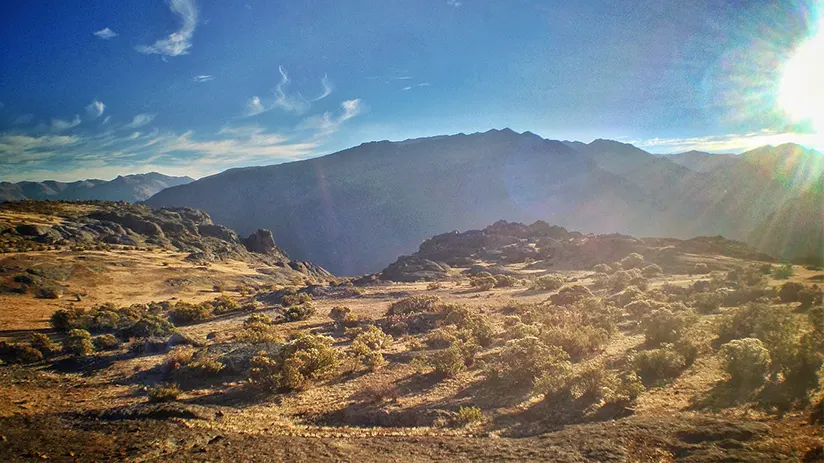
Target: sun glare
{"points": [[802, 85]]}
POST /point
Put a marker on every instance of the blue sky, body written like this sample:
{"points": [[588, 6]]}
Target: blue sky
{"points": [[97, 89]]}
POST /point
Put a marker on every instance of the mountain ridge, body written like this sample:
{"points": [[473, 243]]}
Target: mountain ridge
{"points": [[130, 188]]}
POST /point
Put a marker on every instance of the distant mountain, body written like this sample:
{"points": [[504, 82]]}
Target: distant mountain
{"points": [[356, 210], [129, 188], [700, 161]]}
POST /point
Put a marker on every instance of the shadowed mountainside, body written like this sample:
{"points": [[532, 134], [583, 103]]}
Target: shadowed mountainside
{"points": [[356, 210], [129, 188]]}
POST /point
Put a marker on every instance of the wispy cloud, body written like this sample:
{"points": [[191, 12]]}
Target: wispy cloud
{"points": [[288, 101], [140, 120], [179, 42], [95, 109], [59, 125], [329, 123], [203, 78], [327, 88], [105, 33], [729, 143], [422, 84], [455, 3]]}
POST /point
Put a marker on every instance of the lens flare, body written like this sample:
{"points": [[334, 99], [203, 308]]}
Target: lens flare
{"points": [[801, 93]]}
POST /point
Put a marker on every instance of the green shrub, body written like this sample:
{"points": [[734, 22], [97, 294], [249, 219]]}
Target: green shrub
{"points": [[521, 330], [223, 305], [164, 393], [483, 282], [576, 341], [626, 296], [477, 324], [258, 319], [783, 272], [374, 338], [810, 296], [185, 312], [523, 360], [663, 326], [69, 318], [78, 342], [205, 366], [298, 313], [44, 344], [632, 261], [179, 357], [707, 303], [295, 299], [638, 309], [548, 283], [150, 326], [259, 331], [19, 353], [657, 365], [338, 314], [435, 285], [790, 291], [774, 326], [505, 281], [415, 305], [469, 415], [306, 357], [746, 360], [700, 269], [105, 342], [454, 359]]}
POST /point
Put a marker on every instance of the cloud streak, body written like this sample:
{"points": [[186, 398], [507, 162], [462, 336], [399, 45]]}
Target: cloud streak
{"points": [[140, 120], [729, 143], [203, 78], [59, 125], [179, 42], [329, 123], [285, 100], [105, 34]]}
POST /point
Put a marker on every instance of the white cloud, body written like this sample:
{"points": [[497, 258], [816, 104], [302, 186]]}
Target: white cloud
{"points": [[59, 125], [140, 120], [178, 43], [203, 78], [327, 88], [293, 103], [329, 123], [105, 33], [106, 120], [455, 3], [254, 106], [95, 109]]}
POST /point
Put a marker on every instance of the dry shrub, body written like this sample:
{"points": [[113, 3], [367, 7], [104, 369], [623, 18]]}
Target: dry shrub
{"points": [[380, 391], [746, 360], [454, 359], [433, 286], [205, 366], [700, 269], [652, 270], [577, 341], [602, 268], [106, 342], [415, 305], [638, 309], [570, 295], [298, 313], [657, 365], [223, 305], [373, 338], [483, 281], [19, 353], [548, 283], [523, 360], [663, 326], [477, 324], [179, 357], [774, 326], [626, 296], [468, 416], [707, 303], [44, 344], [78, 342], [632, 261], [339, 313], [592, 383], [505, 281], [306, 357], [185, 312], [164, 393], [522, 330], [295, 298], [256, 331]]}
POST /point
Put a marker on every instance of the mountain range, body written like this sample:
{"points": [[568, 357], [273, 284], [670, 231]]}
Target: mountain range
{"points": [[129, 188], [356, 210]]}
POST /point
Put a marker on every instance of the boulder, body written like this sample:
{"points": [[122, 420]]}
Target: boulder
{"points": [[261, 242], [412, 268]]}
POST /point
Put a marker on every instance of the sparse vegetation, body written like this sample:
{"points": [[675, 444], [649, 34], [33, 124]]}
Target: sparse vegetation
{"points": [[164, 393], [746, 360], [548, 283], [78, 342], [304, 358]]}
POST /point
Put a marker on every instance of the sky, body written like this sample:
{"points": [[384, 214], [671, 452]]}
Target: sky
{"points": [[93, 89]]}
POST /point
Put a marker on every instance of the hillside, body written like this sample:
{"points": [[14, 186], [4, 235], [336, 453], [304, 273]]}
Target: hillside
{"points": [[354, 211], [530, 343], [129, 188]]}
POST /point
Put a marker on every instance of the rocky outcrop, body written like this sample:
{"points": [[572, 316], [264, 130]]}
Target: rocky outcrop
{"points": [[414, 268]]}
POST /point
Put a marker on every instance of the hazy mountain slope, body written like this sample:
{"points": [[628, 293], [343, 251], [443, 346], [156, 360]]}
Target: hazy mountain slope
{"points": [[700, 161], [130, 188], [357, 210]]}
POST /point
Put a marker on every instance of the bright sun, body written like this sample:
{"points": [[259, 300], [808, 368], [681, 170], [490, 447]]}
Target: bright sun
{"points": [[802, 85]]}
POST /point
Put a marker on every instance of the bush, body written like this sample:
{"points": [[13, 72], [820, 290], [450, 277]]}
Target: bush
{"points": [[657, 365], [179, 357], [505, 281], [259, 331], [374, 338], [521, 330], [150, 326], [223, 305], [783, 272], [746, 360], [638, 309], [78, 342], [576, 341], [415, 305], [435, 285], [523, 360], [295, 299], [19, 353], [774, 326], [44, 344], [69, 318], [626, 296], [663, 326], [790, 291], [548, 283], [483, 282], [306, 357], [632, 261], [707, 303], [106, 342], [338, 314], [257, 319], [454, 359], [653, 270], [469, 415], [298, 313], [810, 296], [570, 295], [602, 268], [700, 269], [205, 366], [477, 324], [185, 312], [164, 393]]}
